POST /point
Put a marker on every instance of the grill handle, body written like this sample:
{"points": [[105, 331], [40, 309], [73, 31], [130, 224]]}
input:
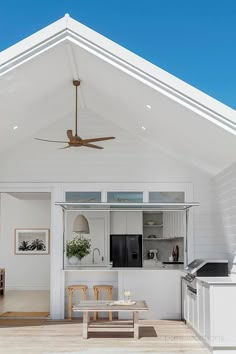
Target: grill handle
{"points": [[192, 290]]}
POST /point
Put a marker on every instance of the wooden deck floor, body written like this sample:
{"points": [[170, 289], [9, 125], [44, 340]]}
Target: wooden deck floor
{"points": [[25, 300], [40, 336]]}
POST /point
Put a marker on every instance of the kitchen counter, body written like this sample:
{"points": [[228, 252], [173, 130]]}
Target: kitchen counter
{"points": [[211, 312], [160, 287], [108, 268], [217, 280]]}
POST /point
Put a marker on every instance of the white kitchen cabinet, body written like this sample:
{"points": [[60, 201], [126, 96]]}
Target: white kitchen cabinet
{"points": [[192, 313], [219, 314], [206, 314], [126, 222], [184, 300], [211, 313], [134, 222], [118, 222], [197, 309], [173, 224], [201, 309]]}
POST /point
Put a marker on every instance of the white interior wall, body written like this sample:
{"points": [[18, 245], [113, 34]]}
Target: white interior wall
{"points": [[23, 272], [225, 187]]}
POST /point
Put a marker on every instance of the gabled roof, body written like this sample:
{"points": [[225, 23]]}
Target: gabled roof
{"points": [[36, 75]]}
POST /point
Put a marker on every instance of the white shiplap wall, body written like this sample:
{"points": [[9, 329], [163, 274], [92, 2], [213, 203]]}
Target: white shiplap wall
{"points": [[133, 170], [173, 224], [127, 166], [225, 186], [205, 242]]}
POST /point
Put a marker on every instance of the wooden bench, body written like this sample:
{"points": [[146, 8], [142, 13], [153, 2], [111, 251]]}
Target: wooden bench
{"points": [[111, 326]]}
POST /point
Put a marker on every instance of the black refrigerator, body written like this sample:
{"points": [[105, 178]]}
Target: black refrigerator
{"points": [[126, 250]]}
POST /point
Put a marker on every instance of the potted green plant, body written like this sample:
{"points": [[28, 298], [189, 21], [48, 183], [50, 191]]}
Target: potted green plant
{"points": [[77, 248]]}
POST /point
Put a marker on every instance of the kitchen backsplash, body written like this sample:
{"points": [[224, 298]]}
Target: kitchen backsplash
{"points": [[165, 248]]}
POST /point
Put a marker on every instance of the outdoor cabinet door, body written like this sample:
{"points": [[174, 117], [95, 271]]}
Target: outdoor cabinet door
{"points": [[201, 309], [184, 301], [190, 310], [207, 313], [195, 313]]}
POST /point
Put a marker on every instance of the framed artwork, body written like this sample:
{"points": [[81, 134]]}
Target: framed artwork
{"points": [[32, 241]]}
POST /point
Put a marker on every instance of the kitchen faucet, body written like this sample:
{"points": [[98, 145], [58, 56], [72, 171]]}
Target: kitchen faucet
{"points": [[95, 249]]}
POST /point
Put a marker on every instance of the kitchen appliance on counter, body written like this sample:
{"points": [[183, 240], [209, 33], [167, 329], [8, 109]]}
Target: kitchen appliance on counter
{"points": [[126, 250], [152, 254], [204, 268]]}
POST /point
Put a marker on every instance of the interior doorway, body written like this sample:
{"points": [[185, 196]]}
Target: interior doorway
{"points": [[25, 219]]}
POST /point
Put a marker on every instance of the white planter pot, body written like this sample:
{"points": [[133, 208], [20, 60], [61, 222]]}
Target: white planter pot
{"points": [[74, 260]]}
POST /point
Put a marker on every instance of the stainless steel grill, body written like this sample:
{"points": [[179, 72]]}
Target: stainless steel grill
{"points": [[204, 268]]}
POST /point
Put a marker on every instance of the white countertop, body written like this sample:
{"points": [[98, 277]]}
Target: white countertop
{"points": [[109, 269], [217, 280]]}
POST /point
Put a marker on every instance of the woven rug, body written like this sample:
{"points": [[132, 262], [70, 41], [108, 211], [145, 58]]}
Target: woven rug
{"points": [[24, 314]]}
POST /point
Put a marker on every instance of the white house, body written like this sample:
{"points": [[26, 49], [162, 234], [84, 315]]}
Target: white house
{"points": [[169, 137]]}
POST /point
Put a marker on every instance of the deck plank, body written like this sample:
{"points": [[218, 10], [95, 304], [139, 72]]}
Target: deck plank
{"points": [[45, 336]]}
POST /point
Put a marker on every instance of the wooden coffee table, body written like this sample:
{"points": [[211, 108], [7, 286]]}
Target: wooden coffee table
{"points": [[110, 326]]}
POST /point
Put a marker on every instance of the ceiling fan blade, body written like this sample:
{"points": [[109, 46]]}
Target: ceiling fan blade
{"points": [[93, 146], [97, 139], [69, 134], [65, 147], [52, 141]]}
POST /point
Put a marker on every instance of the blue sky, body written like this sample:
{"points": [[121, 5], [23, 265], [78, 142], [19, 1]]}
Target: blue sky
{"points": [[192, 39]]}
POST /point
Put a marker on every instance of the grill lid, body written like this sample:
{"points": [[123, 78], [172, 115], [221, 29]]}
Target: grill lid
{"points": [[197, 264]]}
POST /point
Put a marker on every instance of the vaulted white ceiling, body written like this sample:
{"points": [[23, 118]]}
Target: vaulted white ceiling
{"points": [[37, 95]]}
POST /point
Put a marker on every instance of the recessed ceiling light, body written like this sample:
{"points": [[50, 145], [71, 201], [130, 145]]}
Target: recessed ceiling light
{"points": [[148, 106], [144, 128], [15, 127]]}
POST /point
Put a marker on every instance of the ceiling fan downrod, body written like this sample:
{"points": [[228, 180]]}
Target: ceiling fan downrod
{"points": [[76, 83]]}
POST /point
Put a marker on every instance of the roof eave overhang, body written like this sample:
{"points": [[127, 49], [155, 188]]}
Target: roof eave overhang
{"points": [[67, 29]]}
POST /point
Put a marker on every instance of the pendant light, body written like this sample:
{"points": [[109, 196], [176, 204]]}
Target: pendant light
{"points": [[81, 225]]}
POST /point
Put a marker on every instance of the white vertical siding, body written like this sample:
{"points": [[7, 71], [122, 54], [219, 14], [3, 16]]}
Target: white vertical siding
{"points": [[138, 169], [173, 224], [225, 184]]}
